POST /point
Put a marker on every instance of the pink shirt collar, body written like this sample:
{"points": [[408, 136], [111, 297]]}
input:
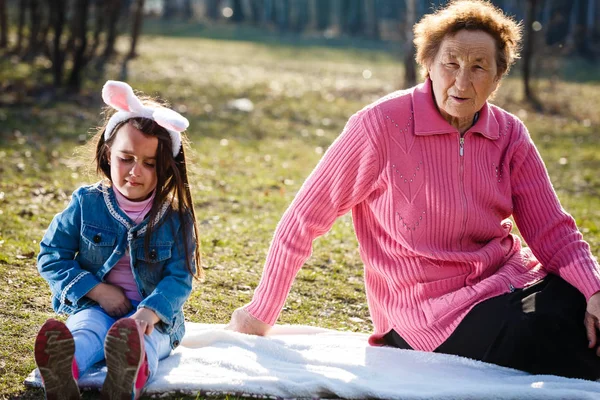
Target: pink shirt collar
{"points": [[429, 121], [136, 210]]}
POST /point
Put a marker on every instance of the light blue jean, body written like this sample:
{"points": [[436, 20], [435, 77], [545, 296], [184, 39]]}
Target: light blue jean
{"points": [[89, 328]]}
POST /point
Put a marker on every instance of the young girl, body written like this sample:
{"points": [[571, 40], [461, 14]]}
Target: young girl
{"points": [[121, 257]]}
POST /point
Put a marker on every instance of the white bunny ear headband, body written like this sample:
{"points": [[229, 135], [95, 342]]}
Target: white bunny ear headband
{"points": [[120, 96]]}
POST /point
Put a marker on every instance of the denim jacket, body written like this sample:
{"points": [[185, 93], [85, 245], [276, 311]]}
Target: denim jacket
{"points": [[86, 240]]}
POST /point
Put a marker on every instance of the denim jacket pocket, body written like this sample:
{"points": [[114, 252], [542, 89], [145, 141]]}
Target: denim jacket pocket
{"points": [[158, 252], [96, 244], [149, 265]]}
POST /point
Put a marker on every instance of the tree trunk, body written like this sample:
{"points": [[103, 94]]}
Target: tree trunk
{"points": [[268, 13], [138, 18], [581, 34], [572, 27], [301, 15], [371, 19], [594, 21], [558, 28], [324, 10], [528, 53], [354, 17], [169, 9], [35, 20], [336, 15], [23, 5], [188, 9], [57, 18], [255, 7], [80, 43], [546, 12], [3, 25], [43, 36], [238, 11], [113, 18], [213, 9], [282, 13], [410, 73], [100, 17]]}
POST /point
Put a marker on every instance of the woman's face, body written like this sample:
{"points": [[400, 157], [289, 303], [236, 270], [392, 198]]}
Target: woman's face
{"points": [[464, 74], [133, 163]]}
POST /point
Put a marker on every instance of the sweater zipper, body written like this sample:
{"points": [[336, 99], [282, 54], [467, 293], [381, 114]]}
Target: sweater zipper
{"points": [[461, 153]]}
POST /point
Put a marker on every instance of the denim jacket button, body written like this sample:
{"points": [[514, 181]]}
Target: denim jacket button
{"points": [[97, 238], [153, 254]]}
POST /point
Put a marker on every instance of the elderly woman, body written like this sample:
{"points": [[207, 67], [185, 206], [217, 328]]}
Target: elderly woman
{"points": [[432, 175]]}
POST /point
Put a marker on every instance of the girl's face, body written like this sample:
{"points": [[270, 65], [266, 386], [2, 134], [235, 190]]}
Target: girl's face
{"points": [[133, 163]]}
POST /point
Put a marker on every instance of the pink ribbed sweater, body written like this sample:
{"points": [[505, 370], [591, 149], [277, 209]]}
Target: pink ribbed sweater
{"points": [[430, 213]]}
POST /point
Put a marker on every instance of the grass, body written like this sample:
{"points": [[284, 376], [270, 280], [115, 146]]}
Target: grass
{"points": [[245, 169]]}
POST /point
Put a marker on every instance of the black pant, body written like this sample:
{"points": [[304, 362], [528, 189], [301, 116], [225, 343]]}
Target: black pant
{"points": [[538, 329]]}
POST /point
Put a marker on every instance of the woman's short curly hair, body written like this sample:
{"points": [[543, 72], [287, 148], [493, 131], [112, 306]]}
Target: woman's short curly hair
{"points": [[470, 15]]}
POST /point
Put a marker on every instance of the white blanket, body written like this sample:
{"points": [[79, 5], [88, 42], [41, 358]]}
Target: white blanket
{"points": [[303, 362]]}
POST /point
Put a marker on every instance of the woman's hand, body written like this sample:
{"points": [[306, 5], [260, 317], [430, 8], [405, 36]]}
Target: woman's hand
{"points": [[243, 322], [146, 318], [111, 298], [592, 321]]}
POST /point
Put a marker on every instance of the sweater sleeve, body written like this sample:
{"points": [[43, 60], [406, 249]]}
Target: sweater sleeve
{"points": [[548, 229], [343, 178]]}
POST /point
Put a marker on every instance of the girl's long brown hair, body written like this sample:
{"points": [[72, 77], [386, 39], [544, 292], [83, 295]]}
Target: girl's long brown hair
{"points": [[172, 179]]}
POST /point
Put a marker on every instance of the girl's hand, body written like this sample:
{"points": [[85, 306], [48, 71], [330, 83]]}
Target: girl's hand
{"points": [[592, 321], [146, 318], [111, 298], [243, 322]]}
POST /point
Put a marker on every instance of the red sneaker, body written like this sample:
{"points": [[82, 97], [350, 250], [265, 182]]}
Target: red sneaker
{"points": [[54, 355], [125, 356]]}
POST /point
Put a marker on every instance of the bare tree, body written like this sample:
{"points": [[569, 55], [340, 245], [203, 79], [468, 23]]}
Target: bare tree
{"points": [[560, 21], [100, 17], [112, 9], [410, 73], [528, 53], [35, 23], [255, 7], [590, 22], [169, 9], [23, 5], [282, 14], [581, 35], [57, 53], [80, 40], [3, 25], [188, 9], [323, 11], [351, 17], [138, 17], [238, 11], [371, 19], [300, 15], [213, 9]]}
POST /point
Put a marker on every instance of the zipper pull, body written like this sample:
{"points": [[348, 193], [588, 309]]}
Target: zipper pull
{"points": [[461, 150]]}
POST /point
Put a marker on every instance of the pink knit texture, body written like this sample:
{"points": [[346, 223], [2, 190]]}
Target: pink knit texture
{"points": [[432, 224]]}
